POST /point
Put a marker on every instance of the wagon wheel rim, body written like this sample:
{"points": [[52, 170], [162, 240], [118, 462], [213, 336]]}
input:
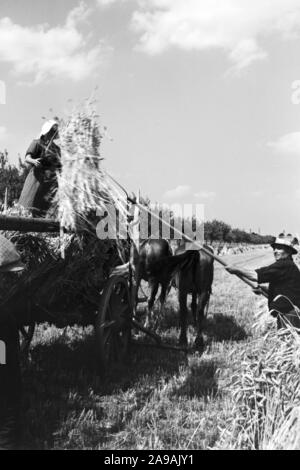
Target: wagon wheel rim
{"points": [[113, 325]]}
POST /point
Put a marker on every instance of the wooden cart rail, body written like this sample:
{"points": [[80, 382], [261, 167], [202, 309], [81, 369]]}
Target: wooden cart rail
{"points": [[28, 224]]}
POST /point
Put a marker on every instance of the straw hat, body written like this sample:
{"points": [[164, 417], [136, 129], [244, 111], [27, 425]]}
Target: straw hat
{"points": [[9, 257], [287, 241]]}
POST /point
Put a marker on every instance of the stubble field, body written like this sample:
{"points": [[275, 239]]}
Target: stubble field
{"points": [[159, 399]]}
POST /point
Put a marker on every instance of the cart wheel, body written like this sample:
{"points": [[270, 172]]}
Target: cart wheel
{"points": [[113, 323], [27, 333]]}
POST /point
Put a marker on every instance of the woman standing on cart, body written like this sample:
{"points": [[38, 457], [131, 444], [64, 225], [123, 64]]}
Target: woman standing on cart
{"points": [[40, 185]]}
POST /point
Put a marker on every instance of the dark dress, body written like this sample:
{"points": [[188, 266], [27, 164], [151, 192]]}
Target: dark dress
{"points": [[41, 183]]}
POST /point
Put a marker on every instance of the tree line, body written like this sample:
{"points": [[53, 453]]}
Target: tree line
{"points": [[218, 231]]}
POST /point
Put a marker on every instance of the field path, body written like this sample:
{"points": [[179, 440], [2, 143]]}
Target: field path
{"points": [[251, 260]]}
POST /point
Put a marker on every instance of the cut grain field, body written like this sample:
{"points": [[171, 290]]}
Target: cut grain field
{"points": [[160, 399]]}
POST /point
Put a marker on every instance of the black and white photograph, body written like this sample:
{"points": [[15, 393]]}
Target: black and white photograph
{"points": [[149, 227]]}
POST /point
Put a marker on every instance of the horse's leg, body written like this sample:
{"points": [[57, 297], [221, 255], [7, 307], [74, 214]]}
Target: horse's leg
{"points": [[202, 301], [136, 271], [162, 297], [136, 281], [194, 307], [183, 315], [153, 284]]}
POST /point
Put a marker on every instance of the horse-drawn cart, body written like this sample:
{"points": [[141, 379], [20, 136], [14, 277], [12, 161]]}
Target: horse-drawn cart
{"points": [[109, 310]]}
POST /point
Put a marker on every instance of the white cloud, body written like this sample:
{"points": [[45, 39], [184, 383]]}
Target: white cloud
{"points": [[297, 193], [3, 133], [257, 194], [287, 144], [105, 3], [178, 192], [237, 27], [40, 53], [205, 195], [108, 3]]}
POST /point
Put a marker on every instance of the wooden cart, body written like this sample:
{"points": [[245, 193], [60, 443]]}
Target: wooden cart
{"points": [[112, 317]]}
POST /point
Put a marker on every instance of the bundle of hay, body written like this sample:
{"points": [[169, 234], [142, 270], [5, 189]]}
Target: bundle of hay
{"points": [[61, 286], [35, 250], [83, 185], [287, 436], [263, 321], [266, 391], [65, 290], [76, 281]]}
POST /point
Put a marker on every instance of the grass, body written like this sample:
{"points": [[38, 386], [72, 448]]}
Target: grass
{"points": [[158, 400]]}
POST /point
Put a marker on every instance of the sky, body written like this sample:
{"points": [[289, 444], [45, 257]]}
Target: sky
{"points": [[201, 98]]}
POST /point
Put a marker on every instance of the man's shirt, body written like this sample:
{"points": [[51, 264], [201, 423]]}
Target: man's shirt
{"points": [[283, 277]]}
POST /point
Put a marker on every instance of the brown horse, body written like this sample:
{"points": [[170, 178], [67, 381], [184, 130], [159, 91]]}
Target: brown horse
{"points": [[146, 264], [195, 278], [154, 263], [193, 271]]}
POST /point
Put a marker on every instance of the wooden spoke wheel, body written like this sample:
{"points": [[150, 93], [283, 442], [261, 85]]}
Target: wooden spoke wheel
{"points": [[27, 333], [113, 323]]}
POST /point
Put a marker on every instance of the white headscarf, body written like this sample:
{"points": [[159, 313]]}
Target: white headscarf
{"points": [[47, 126]]}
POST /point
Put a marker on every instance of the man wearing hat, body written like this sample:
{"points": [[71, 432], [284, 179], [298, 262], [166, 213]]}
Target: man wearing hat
{"points": [[10, 374], [283, 278]]}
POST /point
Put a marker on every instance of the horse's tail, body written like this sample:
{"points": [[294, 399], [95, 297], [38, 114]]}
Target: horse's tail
{"points": [[197, 277], [207, 305], [210, 278]]}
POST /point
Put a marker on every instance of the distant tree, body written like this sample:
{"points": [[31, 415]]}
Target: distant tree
{"points": [[12, 178], [231, 238], [216, 230]]}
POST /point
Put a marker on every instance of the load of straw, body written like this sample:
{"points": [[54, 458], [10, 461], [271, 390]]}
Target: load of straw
{"points": [[65, 290], [35, 250], [63, 286], [83, 185]]}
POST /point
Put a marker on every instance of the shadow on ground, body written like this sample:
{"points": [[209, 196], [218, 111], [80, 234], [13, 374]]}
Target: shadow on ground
{"points": [[61, 382], [220, 327], [170, 317], [201, 382]]}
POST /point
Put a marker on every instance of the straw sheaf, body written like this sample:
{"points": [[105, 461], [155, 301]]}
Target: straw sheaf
{"points": [[266, 390], [287, 437], [83, 185]]}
